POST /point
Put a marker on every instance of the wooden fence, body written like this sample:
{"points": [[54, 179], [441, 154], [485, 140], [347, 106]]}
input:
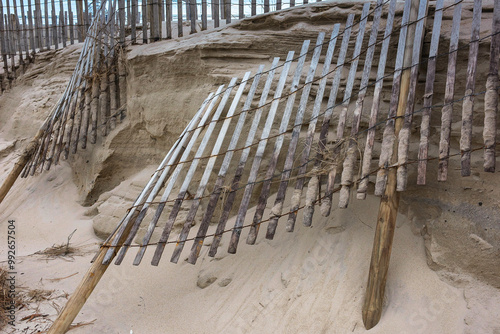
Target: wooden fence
{"points": [[39, 25]]}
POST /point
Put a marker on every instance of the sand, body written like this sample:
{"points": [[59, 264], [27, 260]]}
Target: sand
{"points": [[444, 275]]}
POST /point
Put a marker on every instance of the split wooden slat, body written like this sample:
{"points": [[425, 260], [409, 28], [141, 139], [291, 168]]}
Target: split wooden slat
{"points": [[447, 110], [326, 202], [253, 173], [389, 130], [203, 115], [312, 188], [289, 160], [208, 169], [429, 91], [299, 184], [352, 149], [468, 103], [252, 179], [404, 133], [491, 97], [370, 136]]}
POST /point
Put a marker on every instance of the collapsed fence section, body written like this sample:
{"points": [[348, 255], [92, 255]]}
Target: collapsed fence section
{"points": [[237, 140]]}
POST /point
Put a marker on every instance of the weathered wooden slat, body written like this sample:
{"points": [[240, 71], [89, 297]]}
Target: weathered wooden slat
{"points": [[263, 141], [235, 236], [94, 110], [208, 169], [192, 5], [447, 111], [87, 114], [215, 8], [404, 134], [491, 97], [179, 19], [218, 187], [388, 136], [31, 27], [228, 11], [468, 104], [299, 184], [352, 150], [78, 122], [292, 147], [204, 14], [104, 103], [19, 34], [121, 15], [55, 41], [241, 9], [326, 202], [62, 24], [266, 6], [169, 18], [253, 6], [429, 91], [370, 136], [204, 114], [194, 164], [149, 192], [24, 30], [312, 189], [4, 38], [38, 25], [133, 22], [144, 22]]}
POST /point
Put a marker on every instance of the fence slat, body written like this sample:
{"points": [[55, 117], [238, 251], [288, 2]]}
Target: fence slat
{"points": [[326, 202], [180, 32], [277, 209], [235, 236], [468, 104], [429, 91], [491, 97], [312, 188], [144, 22], [389, 130]]}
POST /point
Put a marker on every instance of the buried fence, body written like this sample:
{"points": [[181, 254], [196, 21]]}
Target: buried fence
{"points": [[243, 141], [260, 134]]}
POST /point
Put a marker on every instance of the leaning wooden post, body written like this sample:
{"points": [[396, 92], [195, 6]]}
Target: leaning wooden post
{"points": [[388, 210]]}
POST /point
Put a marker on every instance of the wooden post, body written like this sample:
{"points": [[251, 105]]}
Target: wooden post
{"points": [[389, 203]]}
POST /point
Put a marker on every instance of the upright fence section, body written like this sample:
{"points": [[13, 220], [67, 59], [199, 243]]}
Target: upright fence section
{"points": [[27, 28]]}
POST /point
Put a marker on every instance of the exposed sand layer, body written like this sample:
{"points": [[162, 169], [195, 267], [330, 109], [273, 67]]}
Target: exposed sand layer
{"points": [[445, 266]]}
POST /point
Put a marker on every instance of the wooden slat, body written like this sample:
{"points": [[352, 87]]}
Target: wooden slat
{"points": [[169, 18], [233, 244], [228, 11], [253, 174], [491, 97], [149, 192], [266, 6], [370, 137], [94, 110], [447, 111], [87, 114], [204, 13], [312, 189], [326, 202], [241, 9], [4, 37], [253, 7], [179, 18], [144, 22], [121, 14], [133, 23], [299, 184], [388, 137], [292, 147], [468, 104], [237, 177], [201, 120], [352, 150], [429, 91], [79, 20], [209, 167], [178, 201], [219, 183], [215, 8], [55, 41], [24, 30], [192, 5], [404, 134]]}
